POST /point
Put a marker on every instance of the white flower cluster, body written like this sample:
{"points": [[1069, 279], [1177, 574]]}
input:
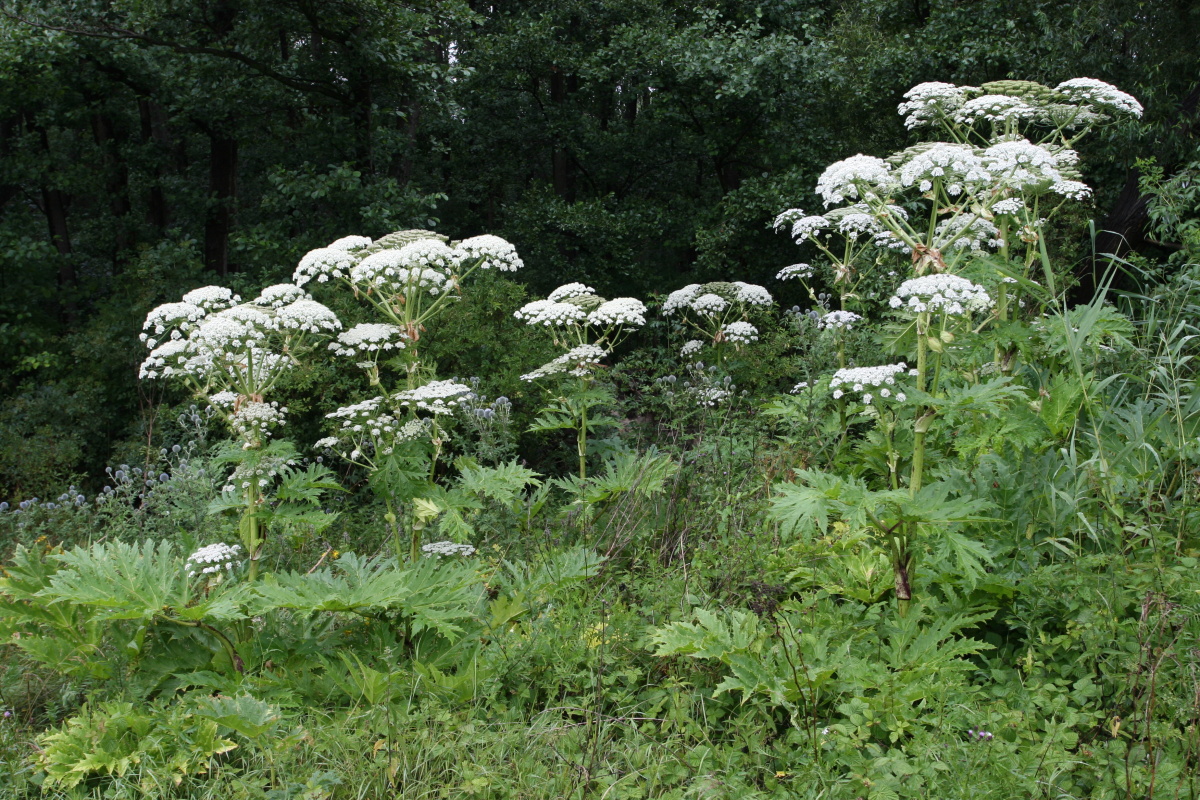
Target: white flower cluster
{"points": [[1072, 190], [212, 298], [351, 243], [550, 313], [710, 396], [691, 347], [281, 295], [709, 303], [956, 166], [802, 271], [1100, 95], [407, 270], [965, 232], [739, 333], [492, 252], [752, 294], [442, 549], [994, 108], [862, 379], [569, 290], [838, 320], [680, 298], [436, 397], [1009, 206], [626, 311], [947, 293], [369, 427], [579, 361], [178, 318], [1025, 166], [308, 316], [368, 338], [926, 102], [212, 559], [260, 472], [254, 420], [803, 225], [857, 177], [324, 263]]}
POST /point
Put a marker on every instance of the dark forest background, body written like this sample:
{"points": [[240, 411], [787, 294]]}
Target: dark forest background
{"points": [[151, 146]]}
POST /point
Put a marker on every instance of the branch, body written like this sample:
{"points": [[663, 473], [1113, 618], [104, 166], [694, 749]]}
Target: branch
{"points": [[113, 33]]}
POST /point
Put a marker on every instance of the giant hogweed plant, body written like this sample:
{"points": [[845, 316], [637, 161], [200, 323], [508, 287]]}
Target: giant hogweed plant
{"points": [[588, 328], [971, 212], [408, 279], [231, 355]]}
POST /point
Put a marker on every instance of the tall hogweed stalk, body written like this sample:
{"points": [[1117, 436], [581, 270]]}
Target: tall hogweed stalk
{"points": [[969, 212], [587, 328], [408, 279], [231, 354]]}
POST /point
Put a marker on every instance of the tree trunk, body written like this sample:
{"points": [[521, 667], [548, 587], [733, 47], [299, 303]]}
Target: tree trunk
{"points": [[116, 186], [560, 160], [222, 192], [154, 130]]}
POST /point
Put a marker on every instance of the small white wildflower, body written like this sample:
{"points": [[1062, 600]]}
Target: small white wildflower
{"points": [[994, 108]]}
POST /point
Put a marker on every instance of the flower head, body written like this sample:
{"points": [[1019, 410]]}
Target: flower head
{"points": [[947, 293], [1101, 96], [491, 251], [212, 559], [857, 177]]}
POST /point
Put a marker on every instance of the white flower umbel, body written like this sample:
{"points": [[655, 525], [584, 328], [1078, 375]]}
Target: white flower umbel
{"points": [[281, 295], [324, 263], [579, 361], [402, 272], [802, 271], [491, 252], [966, 232], [627, 312], [680, 298], [838, 320], [866, 380], [858, 177], [1099, 95], [927, 102], [956, 167], [569, 290], [950, 294], [994, 108], [709, 303], [549, 313], [351, 244], [212, 298], [253, 421], [368, 339], [175, 318], [308, 316], [445, 549], [1024, 166], [803, 225], [212, 559], [1010, 206], [752, 294], [436, 397], [691, 347], [739, 333], [1072, 190]]}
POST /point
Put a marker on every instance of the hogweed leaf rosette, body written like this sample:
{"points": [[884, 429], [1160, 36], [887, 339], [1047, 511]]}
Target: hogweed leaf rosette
{"points": [[588, 328]]}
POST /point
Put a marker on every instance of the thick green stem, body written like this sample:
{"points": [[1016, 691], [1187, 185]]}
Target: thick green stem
{"points": [[581, 443], [394, 524]]}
